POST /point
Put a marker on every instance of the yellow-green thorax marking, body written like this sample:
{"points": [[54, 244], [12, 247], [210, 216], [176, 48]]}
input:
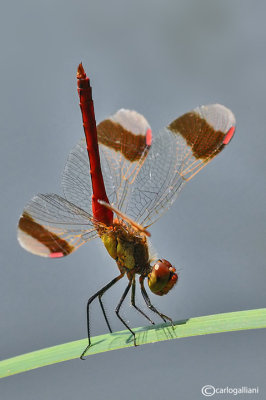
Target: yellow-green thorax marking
{"points": [[128, 247]]}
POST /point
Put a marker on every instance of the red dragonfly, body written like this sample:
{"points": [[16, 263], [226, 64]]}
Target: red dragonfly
{"points": [[142, 178]]}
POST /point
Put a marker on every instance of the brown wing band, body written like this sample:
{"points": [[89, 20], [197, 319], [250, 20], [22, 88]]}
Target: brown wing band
{"points": [[53, 242], [203, 139], [116, 137]]}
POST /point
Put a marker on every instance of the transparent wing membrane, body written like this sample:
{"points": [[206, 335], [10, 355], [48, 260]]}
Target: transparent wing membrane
{"points": [[76, 180], [50, 226], [177, 155], [158, 182], [124, 142]]}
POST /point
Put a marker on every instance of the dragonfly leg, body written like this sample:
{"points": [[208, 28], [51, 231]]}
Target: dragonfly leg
{"points": [[104, 313], [97, 294], [148, 302], [133, 290], [118, 308]]}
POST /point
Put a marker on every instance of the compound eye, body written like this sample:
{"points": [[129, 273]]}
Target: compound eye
{"points": [[162, 277]]}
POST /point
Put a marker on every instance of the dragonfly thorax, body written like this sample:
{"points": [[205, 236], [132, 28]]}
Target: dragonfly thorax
{"points": [[128, 248]]}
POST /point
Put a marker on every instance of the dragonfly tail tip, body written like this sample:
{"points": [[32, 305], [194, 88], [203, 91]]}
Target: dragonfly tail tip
{"points": [[80, 72]]}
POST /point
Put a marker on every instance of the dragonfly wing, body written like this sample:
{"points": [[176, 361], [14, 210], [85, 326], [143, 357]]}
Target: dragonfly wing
{"points": [[51, 226], [124, 142], [76, 180], [178, 154]]}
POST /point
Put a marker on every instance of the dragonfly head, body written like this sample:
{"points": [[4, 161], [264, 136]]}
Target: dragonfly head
{"points": [[162, 277]]}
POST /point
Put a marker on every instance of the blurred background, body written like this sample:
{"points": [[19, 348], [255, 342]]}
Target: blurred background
{"points": [[162, 58]]}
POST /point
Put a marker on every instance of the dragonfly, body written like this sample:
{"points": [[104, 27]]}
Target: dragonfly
{"points": [[117, 182]]}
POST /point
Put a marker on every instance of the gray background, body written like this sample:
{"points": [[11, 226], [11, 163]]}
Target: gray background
{"points": [[161, 58]]}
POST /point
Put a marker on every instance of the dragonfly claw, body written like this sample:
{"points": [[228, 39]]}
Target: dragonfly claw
{"points": [[84, 352]]}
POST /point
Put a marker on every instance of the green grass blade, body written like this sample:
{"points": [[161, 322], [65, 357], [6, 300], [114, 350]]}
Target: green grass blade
{"points": [[251, 319]]}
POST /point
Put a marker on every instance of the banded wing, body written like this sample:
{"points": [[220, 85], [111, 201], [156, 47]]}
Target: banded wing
{"points": [[51, 226], [176, 156], [124, 142]]}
